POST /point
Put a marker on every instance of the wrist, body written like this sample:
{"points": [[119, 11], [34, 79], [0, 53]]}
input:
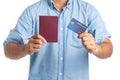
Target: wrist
{"points": [[96, 49], [26, 49]]}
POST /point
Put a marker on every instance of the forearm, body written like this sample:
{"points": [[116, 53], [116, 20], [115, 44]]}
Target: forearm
{"points": [[103, 50], [15, 51]]}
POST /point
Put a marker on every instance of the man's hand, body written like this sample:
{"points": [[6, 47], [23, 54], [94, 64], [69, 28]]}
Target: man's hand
{"points": [[88, 41], [35, 43], [102, 50], [16, 51]]}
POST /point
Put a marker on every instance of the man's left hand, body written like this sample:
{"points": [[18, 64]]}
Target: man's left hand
{"points": [[88, 41]]}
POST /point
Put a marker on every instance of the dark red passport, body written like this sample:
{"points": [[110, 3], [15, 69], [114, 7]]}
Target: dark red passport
{"points": [[48, 28]]}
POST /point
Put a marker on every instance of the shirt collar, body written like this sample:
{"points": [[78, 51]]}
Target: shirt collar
{"points": [[50, 2], [69, 3]]}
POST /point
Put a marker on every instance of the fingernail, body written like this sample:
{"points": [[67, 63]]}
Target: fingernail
{"points": [[45, 41]]}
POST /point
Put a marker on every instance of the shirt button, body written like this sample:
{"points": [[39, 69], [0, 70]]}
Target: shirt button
{"points": [[61, 29], [60, 74], [61, 43], [61, 58]]}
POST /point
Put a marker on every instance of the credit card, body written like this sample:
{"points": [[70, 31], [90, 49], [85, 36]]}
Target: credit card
{"points": [[77, 26]]}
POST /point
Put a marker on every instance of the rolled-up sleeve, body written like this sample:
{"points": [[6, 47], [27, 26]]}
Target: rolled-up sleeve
{"points": [[22, 31], [97, 25]]}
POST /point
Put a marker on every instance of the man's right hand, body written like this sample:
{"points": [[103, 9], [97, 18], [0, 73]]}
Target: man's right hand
{"points": [[35, 43]]}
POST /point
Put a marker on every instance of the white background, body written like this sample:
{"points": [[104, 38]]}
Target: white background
{"points": [[100, 69]]}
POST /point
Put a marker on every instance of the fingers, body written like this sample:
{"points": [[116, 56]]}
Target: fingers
{"points": [[85, 34], [35, 43], [87, 40], [39, 37]]}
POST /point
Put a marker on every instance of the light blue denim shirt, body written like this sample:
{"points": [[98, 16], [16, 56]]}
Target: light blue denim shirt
{"points": [[66, 59]]}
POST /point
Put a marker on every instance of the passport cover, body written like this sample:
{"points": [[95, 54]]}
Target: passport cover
{"points": [[48, 28], [76, 26]]}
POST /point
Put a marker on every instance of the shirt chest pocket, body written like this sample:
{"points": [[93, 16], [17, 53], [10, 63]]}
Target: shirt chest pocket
{"points": [[75, 41]]}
